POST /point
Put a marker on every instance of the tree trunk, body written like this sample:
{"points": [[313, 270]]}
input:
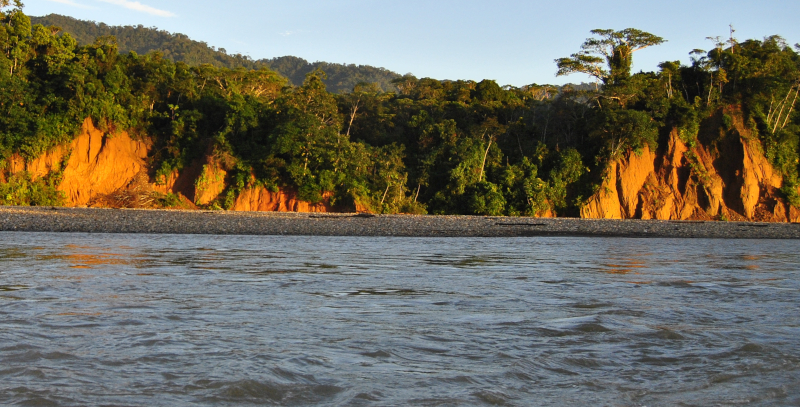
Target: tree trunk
{"points": [[353, 116], [786, 120], [388, 184], [480, 177]]}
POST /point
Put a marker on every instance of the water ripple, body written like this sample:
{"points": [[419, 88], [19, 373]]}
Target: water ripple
{"points": [[131, 319]]}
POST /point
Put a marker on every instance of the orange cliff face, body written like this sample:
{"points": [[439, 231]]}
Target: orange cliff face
{"points": [[100, 164], [96, 165], [201, 182], [728, 178], [618, 195], [263, 200]]}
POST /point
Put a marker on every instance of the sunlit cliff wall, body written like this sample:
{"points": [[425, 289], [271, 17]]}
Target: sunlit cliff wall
{"points": [[96, 165], [724, 176]]}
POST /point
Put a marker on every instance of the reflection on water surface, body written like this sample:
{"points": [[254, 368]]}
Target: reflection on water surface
{"points": [[205, 320]]}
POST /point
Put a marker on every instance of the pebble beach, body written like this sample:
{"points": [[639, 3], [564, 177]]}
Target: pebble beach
{"points": [[97, 220]]}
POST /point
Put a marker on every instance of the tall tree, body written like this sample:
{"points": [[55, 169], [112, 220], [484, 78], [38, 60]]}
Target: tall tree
{"points": [[616, 48]]}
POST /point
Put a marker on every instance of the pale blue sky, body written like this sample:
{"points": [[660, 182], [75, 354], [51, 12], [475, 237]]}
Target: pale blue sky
{"points": [[511, 41]]}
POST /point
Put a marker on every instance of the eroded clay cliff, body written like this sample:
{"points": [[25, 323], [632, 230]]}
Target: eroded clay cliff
{"points": [[93, 164], [100, 169], [724, 175], [263, 200]]}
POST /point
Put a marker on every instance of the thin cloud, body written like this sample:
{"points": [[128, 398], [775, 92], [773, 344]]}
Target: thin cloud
{"points": [[71, 3], [135, 5]]}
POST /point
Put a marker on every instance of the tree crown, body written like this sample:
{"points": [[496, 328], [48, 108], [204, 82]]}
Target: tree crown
{"points": [[616, 47]]}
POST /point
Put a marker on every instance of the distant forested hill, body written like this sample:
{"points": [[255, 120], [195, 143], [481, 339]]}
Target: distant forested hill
{"points": [[341, 77], [179, 47]]}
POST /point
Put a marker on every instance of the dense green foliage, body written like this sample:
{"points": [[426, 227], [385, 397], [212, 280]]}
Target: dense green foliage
{"points": [[20, 190], [179, 48], [459, 147]]}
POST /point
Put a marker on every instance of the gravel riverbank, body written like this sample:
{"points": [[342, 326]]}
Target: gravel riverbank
{"points": [[94, 220]]}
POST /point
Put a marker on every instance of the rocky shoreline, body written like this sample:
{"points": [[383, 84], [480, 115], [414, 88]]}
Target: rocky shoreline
{"points": [[95, 220]]}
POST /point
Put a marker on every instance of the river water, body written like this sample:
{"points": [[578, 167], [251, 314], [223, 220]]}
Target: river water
{"points": [[125, 320]]}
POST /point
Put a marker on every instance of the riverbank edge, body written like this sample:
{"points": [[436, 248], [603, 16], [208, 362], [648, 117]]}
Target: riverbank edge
{"points": [[97, 220]]}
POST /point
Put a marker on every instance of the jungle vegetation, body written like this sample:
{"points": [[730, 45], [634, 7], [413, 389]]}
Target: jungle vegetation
{"points": [[443, 147]]}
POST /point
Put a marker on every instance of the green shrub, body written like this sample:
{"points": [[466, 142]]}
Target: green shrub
{"points": [[170, 200], [20, 190], [485, 198], [727, 122]]}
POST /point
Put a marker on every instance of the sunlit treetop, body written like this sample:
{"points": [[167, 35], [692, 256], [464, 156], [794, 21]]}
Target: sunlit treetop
{"points": [[615, 48]]}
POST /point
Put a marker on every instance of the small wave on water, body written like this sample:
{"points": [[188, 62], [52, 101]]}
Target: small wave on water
{"points": [[124, 320], [260, 392]]}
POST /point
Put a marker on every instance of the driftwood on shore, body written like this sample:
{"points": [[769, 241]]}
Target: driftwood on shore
{"points": [[93, 220]]}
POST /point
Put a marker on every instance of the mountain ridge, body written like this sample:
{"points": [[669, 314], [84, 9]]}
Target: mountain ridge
{"points": [[180, 47]]}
